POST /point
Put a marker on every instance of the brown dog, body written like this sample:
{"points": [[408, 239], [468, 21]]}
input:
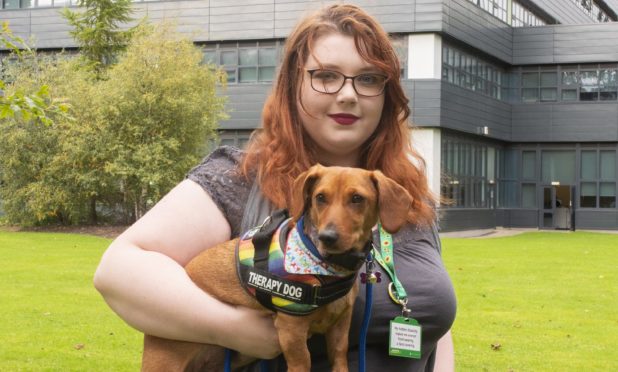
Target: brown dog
{"points": [[342, 206]]}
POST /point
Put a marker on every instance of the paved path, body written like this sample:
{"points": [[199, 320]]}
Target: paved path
{"points": [[501, 231]]}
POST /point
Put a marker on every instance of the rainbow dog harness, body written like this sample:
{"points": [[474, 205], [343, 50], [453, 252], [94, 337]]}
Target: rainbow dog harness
{"points": [[282, 269]]}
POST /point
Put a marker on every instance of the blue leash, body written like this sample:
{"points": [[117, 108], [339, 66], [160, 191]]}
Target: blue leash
{"points": [[362, 345]]}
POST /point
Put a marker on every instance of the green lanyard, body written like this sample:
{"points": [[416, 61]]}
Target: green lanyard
{"points": [[385, 259]]}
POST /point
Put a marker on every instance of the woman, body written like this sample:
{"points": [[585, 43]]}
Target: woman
{"points": [[337, 101]]}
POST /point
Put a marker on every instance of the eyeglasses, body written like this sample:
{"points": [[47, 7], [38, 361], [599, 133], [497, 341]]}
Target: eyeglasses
{"points": [[331, 82]]}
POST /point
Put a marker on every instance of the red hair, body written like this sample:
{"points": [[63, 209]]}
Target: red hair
{"points": [[282, 149]]}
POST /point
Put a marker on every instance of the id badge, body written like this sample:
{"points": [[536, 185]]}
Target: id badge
{"points": [[405, 338]]}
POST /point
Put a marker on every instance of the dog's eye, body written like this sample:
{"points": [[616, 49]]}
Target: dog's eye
{"points": [[357, 199], [320, 198]]}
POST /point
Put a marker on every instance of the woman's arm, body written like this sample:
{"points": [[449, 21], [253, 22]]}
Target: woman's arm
{"points": [[142, 277], [445, 354]]}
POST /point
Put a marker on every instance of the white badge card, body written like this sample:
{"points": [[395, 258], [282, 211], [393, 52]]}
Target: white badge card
{"points": [[405, 338]]}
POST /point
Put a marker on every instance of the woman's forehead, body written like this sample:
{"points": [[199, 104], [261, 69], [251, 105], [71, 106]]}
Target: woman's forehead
{"points": [[335, 50]]}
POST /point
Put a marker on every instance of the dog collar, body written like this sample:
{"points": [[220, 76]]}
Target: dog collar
{"points": [[351, 261]]}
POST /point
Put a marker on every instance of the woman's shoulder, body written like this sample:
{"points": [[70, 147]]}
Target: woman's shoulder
{"points": [[219, 175]]}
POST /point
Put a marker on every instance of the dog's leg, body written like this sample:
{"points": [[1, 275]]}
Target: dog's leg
{"points": [[293, 340], [337, 342]]}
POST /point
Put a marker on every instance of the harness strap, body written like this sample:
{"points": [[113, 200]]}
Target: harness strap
{"points": [[261, 241]]}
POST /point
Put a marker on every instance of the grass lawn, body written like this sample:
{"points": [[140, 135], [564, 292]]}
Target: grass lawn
{"points": [[51, 317], [545, 301]]}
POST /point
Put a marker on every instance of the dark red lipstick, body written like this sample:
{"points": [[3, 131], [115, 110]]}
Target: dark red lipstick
{"points": [[344, 119]]}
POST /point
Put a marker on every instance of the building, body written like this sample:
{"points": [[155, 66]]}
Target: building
{"points": [[515, 100]]}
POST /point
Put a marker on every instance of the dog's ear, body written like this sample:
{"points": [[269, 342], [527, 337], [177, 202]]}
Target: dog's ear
{"points": [[303, 187], [394, 202]]}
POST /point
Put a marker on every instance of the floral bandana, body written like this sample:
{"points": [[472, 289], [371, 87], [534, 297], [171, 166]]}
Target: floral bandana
{"points": [[299, 259]]}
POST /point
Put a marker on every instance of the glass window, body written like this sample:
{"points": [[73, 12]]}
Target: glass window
{"points": [[549, 79], [528, 195], [228, 57], [558, 166], [589, 165], [266, 74], [248, 57], [607, 195], [507, 194], [569, 94], [247, 74], [530, 79], [528, 165], [608, 85], [549, 94], [210, 56], [588, 197], [267, 57], [608, 165], [569, 78], [589, 90], [530, 95], [11, 4]]}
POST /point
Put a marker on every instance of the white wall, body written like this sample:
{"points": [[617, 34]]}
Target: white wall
{"points": [[427, 142], [424, 56]]}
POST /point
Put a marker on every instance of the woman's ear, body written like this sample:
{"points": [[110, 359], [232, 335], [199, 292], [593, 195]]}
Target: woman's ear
{"points": [[394, 202], [303, 188]]}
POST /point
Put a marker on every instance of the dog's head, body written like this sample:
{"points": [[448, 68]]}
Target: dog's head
{"points": [[343, 205]]}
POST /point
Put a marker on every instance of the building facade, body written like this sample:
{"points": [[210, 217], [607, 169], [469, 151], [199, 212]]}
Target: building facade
{"points": [[515, 102]]}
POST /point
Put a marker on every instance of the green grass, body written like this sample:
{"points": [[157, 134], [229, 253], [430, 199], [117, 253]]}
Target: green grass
{"points": [[51, 317], [549, 300]]}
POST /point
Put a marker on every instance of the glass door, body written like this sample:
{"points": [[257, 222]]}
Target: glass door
{"points": [[549, 207]]}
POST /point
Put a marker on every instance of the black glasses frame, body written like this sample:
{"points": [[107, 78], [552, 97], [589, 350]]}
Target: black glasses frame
{"points": [[345, 78]]}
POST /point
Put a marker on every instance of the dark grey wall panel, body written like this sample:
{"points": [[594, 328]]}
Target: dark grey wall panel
{"points": [[466, 22], [596, 219], [245, 104], [467, 111], [454, 219], [566, 44], [565, 122], [424, 98], [517, 217]]}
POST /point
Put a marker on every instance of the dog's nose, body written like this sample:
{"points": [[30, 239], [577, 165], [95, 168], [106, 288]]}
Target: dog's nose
{"points": [[328, 236]]}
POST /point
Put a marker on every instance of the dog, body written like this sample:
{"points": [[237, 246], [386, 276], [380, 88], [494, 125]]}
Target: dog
{"points": [[340, 207]]}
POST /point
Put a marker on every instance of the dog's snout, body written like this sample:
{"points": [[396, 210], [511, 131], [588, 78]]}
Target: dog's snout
{"points": [[328, 236]]}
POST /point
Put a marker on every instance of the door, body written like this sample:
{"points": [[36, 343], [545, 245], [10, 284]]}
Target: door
{"points": [[557, 206], [549, 207]]}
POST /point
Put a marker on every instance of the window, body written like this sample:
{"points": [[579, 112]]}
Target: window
{"points": [[530, 87], [465, 168], [607, 84], [569, 85], [245, 62], [472, 73], [549, 83], [558, 165], [528, 195], [589, 89], [400, 44], [588, 198]]}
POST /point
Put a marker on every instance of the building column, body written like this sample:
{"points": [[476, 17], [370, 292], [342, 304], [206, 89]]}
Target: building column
{"points": [[424, 56], [427, 142]]}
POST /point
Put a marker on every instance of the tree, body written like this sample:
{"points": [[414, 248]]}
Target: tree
{"points": [[160, 107], [96, 29], [16, 103], [129, 139]]}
